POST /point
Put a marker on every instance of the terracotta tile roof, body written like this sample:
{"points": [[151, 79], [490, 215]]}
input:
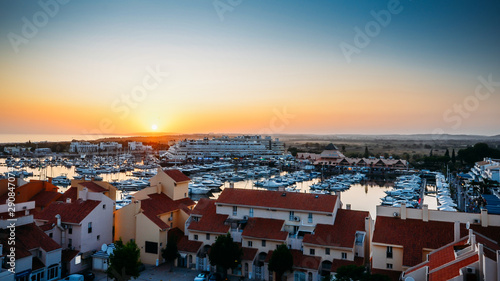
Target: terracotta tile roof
{"points": [[33, 188], [44, 198], [158, 204], [492, 232], [202, 206], [210, 221], [94, 187], [392, 274], [336, 263], [18, 214], [452, 270], [263, 228], [304, 261], [430, 235], [73, 212], [71, 193], [188, 246], [68, 255], [248, 253], [342, 233], [277, 199], [29, 237], [177, 175]]}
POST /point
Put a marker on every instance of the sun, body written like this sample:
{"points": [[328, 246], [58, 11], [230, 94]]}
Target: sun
{"points": [[154, 127]]}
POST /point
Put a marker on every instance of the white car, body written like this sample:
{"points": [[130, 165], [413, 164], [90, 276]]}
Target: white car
{"points": [[202, 276]]}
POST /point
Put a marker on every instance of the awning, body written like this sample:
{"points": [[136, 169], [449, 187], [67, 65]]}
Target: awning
{"points": [[306, 228]]}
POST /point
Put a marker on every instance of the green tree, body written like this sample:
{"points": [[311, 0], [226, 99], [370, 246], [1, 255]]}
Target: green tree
{"points": [[367, 153], [453, 157], [281, 261], [124, 262], [225, 253], [170, 253]]}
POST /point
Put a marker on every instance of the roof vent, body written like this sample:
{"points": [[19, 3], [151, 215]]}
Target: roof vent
{"points": [[283, 194], [317, 196]]}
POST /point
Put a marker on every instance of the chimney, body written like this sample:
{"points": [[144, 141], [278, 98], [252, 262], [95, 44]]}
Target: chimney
{"points": [[403, 211], [456, 231], [158, 188], [58, 217], [84, 194], [68, 200], [347, 206], [425, 212], [484, 217], [49, 179]]}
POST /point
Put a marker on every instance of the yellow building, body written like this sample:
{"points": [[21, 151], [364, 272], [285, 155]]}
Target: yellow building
{"points": [[153, 212]]}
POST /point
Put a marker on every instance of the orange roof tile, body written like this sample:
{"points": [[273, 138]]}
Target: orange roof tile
{"points": [[263, 228], [177, 175], [452, 270], [92, 186], [73, 212], [188, 246], [342, 233], [29, 237], [210, 221], [158, 204], [279, 200]]}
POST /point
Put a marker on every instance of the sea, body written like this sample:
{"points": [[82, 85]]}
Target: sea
{"points": [[22, 138]]}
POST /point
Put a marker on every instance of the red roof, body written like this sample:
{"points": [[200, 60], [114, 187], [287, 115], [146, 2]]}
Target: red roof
{"points": [[248, 253], [188, 246], [29, 237], [452, 270], [73, 212], [342, 233], [262, 228], [68, 255], [158, 204], [413, 235], [392, 274], [36, 264], [336, 263], [210, 221], [279, 200], [177, 175], [304, 261], [202, 206], [71, 193], [44, 198], [92, 186]]}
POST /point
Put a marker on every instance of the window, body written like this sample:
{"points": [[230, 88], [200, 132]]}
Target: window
{"points": [[70, 229], [50, 235], [90, 227], [311, 252], [70, 242], [263, 243], [98, 237], [172, 214], [235, 210], [389, 252], [250, 244], [104, 206], [250, 214], [344, 256], [196, 237], [310, 218], [151, 247], [327, 251], [292, 215], [37, 276], [389, 266], [309, 276], [208, 236], [52, 272]]}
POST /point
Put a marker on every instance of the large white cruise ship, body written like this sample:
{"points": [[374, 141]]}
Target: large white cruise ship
{"points": [[239, 146]]}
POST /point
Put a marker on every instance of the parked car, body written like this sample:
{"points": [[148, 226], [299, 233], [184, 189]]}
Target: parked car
{"points": [[216, 277], [203, 276]]}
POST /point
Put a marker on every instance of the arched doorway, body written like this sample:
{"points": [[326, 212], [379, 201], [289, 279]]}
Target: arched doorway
{"points": [[202, 262], [325, 269], [258, 266]]}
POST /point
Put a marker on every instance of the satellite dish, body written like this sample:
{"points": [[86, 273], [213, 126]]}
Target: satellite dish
{"points": [[104, 247], [109, 251], [467, 225], [409, 279]]}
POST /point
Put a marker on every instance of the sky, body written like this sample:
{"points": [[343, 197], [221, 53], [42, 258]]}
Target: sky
{"points": [[250, 66]]}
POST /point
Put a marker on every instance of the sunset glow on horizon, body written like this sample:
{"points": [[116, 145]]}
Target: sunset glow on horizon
{"points": [[264, 67]]}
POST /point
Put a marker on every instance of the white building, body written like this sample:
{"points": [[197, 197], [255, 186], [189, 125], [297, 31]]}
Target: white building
{"points": [[240, 146], [80, 222], [83, 147], [37, 257], [138, 146], [110, 146]]}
